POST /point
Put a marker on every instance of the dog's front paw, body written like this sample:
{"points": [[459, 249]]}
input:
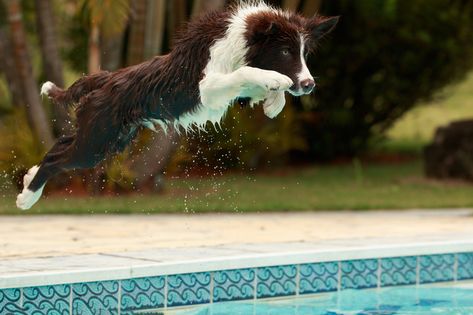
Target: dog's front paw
{"points": [[275, 81], [267, 79]]}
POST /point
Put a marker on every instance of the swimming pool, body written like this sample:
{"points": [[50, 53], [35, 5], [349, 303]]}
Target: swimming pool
{"points": [[445, 299]]}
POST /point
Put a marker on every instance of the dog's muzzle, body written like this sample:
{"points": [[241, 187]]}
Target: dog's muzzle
{"points": [[305, 87]]}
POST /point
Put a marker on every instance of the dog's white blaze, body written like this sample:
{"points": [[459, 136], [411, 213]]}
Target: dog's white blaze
{"points": [[226, 55], [27, 198], [305, 73]]}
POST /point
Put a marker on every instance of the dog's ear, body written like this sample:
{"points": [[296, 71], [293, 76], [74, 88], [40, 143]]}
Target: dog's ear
{"points": [[319, 26]]}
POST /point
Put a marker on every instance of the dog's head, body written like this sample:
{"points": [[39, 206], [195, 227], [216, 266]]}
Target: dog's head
{"points": [[281, 41]]}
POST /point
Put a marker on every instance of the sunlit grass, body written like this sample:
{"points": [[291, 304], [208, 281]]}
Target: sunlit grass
{"points": [[418, 126], [347, 186]]}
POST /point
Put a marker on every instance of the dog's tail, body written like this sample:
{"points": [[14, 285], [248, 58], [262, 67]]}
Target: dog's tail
{"points": [[76, 91]]}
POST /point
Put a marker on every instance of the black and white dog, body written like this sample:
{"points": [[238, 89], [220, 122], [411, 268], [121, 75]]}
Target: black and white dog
{"points": [[252, 52]]}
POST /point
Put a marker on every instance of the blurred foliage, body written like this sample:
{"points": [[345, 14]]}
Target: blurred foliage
{"points": [[419, 124], [383, 58], [111, 16], [246, 139], [118, 175], [19, 149], [76, 51]]}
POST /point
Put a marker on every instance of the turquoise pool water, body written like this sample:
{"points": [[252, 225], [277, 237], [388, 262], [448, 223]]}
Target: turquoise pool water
{"points": [[438, 300]]}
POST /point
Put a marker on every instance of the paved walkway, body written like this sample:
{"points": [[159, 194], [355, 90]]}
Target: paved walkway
{"points": [[46, 236]]}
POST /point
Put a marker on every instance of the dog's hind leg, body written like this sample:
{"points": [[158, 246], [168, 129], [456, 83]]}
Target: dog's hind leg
{"points": [[53, 163]]}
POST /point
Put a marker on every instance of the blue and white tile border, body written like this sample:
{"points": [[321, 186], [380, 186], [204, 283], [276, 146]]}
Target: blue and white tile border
{"points": [[161, 290]]}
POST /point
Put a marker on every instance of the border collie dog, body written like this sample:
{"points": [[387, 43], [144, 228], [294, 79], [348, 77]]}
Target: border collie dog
{"points": [[250, 53]]}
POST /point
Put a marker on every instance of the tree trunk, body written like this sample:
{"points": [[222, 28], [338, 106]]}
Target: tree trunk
{"points": [[7, 66], [201, 6], [151, 162], [155, 158], [292, 5], [136, 42], [311, 7], [112, 51], [36, 114], [177, 12], [154, 27], [95, 184], [94, 49], [52, 64]]}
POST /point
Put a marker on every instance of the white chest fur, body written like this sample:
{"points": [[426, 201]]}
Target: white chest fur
{"points": [[200, 116]]}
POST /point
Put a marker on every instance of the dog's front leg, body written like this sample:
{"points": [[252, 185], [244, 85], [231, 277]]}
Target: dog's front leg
{"points": [[274, 103], [217, 90]]}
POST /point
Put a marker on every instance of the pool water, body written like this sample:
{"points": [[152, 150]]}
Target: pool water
{"points": [[410, 300]]}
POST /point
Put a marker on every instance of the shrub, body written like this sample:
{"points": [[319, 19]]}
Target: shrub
{"points": [[383, 58], [246, 140]]}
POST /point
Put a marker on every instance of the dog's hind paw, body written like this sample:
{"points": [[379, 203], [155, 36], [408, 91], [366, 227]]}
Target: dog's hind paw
{"points": [[27, 198]]}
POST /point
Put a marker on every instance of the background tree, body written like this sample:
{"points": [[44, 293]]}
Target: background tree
{"points": [[106, 18], [155, 27], [136, 44], [399, 53], [51, 60], [202, 6], [35, 112], [7, 64]]}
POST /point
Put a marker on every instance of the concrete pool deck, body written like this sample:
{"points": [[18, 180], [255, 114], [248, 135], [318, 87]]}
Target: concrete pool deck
{"points": [[49, 236]]}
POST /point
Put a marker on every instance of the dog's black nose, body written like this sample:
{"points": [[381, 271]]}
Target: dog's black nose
{"points": [[307, 85]]}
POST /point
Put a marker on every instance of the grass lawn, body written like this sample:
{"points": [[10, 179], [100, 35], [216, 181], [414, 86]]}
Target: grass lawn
{"points": [[356, 186], [418, 126]]}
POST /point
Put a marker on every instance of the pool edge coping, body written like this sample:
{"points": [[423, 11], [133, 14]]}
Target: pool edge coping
{"points": [[147, 268]]}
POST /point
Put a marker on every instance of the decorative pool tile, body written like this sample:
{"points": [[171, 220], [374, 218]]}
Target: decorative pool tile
{"points": [[187, 289], [95, 298], [318, 277], [465, 266], [436, 268], [141, 294], [46, 300], [10, 301], [276, 281], [359, 274], [398, 271], [233, 285], [138, 295]]}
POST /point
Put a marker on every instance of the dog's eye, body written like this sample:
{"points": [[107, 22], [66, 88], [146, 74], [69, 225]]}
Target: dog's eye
{"points": [[285, 52]]}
